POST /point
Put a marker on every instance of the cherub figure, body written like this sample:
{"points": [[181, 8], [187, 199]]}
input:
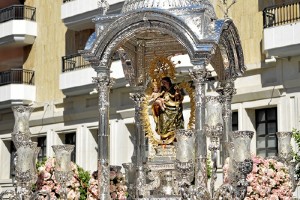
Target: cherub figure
{"points": [[156, 96]]}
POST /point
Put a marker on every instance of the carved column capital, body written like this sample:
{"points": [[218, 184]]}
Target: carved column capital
{"points": [[103, 82], [199, 76], [227, 89], [103, 77]]}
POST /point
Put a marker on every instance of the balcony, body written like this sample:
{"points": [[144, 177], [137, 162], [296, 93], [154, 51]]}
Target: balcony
{"points": [[282, 30], [17, 25], [16, 86], [78, 14], [76, 76]]}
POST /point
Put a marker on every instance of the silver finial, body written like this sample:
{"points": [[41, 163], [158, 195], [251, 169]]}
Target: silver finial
{"points": [[104, 5], [225, 7]]}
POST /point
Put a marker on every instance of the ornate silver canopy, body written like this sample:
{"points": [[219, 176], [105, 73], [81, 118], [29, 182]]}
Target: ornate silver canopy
{"points": [[152, 31], [132, 5], [146, 28]]}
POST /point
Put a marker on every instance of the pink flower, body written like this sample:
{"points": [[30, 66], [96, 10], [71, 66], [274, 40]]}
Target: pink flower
{"points": [[113, 195], [122, 195], [118, 190], [269, 180], [46, 175], [46, 188], [274, 197], [46, 181]]}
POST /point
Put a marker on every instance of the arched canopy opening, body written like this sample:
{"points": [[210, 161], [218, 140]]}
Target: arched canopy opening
{"points": [[228, 58], [149, 33]]}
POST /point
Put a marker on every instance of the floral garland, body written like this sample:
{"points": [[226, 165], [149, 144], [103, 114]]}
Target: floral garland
{"points": [[269, 180], [46, 181], [118, 189]]}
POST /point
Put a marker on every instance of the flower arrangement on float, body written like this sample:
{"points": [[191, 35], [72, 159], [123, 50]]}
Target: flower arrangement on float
{"points": [[118, 189], [269, 180], [76, 188]]}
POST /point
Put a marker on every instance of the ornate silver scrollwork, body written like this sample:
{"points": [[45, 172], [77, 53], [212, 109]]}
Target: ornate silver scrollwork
{"points": [[103, 178], [103, 86], [104, 5], [244, 168]]}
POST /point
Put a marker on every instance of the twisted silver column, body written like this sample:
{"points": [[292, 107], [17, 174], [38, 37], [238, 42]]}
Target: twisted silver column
{"points": [[199, 77], [227, 90], [139, 98], [104, 83]]}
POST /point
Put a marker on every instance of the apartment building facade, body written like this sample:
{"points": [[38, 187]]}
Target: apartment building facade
{"points": [[40, 64]]}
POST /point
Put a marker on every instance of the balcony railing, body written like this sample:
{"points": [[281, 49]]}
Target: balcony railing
{"points": [[17, 76], [280, 15], [74, 62], [65, 1], [17, 12]]}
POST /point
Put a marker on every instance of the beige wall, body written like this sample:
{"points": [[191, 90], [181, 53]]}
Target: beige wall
{"points": [[248, 17], [249, 22], [44, 57], [76, 40]]}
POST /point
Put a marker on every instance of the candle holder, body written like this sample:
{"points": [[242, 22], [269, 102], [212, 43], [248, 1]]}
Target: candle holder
{"points": [[26, 173], [242, 161], [213, 128], [25, 158], [63, 170], [25, 164], [21, 130], [232, 179], [284, 146], [185, 155], [285, 154]]}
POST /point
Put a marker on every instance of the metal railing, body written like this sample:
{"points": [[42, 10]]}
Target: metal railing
{"points": [[65, 1], [17, 12], [280, 15], [17, 76], [74, 62]]}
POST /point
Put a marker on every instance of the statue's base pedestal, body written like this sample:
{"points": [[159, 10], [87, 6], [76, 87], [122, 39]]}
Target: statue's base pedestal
{"points": [[164, 153]]}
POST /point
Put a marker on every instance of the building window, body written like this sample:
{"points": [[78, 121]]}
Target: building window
{"points": [[235, 121], [266, 128], [13, 153], [70, 138], [42, 142]]}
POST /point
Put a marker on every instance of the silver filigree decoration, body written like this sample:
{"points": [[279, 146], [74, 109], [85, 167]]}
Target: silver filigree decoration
{"points": [[104, 83], [201, 172], [103, 177], [213, 131], [242, 134], [104, 5]]}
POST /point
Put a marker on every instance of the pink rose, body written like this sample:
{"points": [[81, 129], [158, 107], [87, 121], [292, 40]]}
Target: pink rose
{"points": [[122, 195], [114, 195]]}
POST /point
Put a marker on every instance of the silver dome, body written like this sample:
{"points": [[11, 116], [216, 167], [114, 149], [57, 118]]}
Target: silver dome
{"points": [[132, 5]]}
